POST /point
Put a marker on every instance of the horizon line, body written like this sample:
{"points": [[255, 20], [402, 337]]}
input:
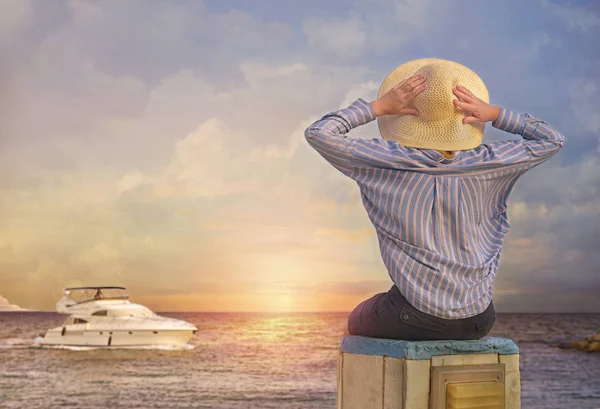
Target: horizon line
{"points": [[296, 312]]}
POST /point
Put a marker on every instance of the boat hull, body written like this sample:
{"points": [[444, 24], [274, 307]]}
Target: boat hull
{"points": [[133, 338]]}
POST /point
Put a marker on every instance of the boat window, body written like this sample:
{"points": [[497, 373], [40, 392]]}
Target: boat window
{"points": [[117, 313], [79, 321], [101, 313]]}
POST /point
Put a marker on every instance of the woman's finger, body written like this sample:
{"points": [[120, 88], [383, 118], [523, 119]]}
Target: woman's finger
{"points": [[416, 91], [417, 79], [409, 111], [413, 82], [400, 84], [469, 120], [465, 106], [466, 91], [462, 95]]}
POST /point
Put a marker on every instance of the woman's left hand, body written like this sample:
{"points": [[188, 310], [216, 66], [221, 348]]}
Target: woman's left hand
{"points": [[396, 100]]}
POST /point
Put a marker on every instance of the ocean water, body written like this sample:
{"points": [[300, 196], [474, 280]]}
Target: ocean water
{"points": [[260, 361]]}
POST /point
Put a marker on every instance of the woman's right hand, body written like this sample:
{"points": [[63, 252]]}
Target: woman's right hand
{"points": [[396, 100], [474, 109]]}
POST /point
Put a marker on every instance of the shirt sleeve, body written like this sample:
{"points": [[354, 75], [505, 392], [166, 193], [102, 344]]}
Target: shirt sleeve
{"points": [[328, 135], [540, 140]]}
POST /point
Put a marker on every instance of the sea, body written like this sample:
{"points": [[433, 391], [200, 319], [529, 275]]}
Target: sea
{"points": [[249, 360]]}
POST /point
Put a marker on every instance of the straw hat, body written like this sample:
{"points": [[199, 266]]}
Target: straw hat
{"points": [[439, 123]]}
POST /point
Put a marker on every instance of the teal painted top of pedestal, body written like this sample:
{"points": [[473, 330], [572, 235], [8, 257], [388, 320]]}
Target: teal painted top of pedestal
{"points": [[426, 349]]}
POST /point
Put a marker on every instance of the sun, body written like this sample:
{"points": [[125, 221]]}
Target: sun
{"points": [[286, 303]]}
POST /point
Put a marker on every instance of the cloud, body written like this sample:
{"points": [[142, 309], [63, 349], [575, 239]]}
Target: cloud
{"points": [[14, 15], [202, 166], [585, 101], [576, 18], [373, 26], [130, 181], [345, 38], [6, 306], [167, 37]]}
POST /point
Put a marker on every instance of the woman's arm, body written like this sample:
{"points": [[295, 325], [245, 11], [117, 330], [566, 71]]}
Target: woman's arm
{"points": [[328, 135], [540, 140]]}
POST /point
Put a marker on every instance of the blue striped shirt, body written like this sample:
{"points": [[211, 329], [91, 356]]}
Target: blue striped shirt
{"points": [[440, 222]]}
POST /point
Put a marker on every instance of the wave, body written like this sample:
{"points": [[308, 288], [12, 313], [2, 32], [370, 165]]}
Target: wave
{"points": [[15, 343]]}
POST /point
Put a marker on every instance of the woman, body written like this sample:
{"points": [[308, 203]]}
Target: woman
{"points": [[435, 194]]}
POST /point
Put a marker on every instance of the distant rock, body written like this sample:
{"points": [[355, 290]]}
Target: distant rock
{"points": [[590, 344]]}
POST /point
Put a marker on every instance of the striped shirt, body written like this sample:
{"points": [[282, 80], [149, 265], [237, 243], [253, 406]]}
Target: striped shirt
{"points": [[440, 222]]}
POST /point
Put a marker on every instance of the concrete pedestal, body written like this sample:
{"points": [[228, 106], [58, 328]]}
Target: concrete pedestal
{"points": [[387, 374]]}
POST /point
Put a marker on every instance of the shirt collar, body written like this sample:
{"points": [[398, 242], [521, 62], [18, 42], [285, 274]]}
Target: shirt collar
{"points": [[438, 157]]}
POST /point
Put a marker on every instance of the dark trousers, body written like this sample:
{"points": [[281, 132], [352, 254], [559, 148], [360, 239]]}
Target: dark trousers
{"points": [[389, 315]]}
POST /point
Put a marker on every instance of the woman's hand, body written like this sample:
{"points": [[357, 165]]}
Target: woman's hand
{"points": [[475, 110], [395, 101]]}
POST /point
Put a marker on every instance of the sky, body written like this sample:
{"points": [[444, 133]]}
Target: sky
{"points": [[159, 145]]}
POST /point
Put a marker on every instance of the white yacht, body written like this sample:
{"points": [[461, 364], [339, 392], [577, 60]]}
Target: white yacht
{"points": [[104, 317]]}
